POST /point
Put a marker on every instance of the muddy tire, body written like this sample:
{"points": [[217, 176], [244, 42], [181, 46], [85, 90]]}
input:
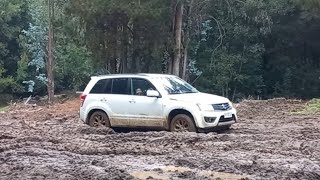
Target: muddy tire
{"points": [[182, 123], [99, 119]]}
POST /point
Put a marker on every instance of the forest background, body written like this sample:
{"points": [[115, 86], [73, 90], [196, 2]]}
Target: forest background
{"points": [[235, 48]]}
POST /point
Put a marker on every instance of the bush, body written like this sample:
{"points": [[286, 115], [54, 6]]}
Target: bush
{"points": [[312, 107], [4, 99]]}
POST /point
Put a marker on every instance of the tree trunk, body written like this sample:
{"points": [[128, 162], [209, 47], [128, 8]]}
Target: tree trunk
{"points": [[185, 60], [113, 63], [135, 49], [104, 53], [187, 41], [147, 61], [125, 45], [227, 90], [183, 40], [178, 32], [50, 62]]}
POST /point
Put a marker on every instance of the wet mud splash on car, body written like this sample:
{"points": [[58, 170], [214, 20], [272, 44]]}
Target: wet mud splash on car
{"points": [[268, 142]]}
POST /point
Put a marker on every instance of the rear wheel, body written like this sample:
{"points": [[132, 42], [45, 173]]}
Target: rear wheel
{"points": [[99, 119], [182, 123]]}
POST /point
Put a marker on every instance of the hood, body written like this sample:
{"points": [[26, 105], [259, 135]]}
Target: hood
{"points": [[202, 98]]}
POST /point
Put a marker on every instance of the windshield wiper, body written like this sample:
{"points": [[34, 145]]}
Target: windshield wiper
{"points": [[176, 93], [189, 92]]}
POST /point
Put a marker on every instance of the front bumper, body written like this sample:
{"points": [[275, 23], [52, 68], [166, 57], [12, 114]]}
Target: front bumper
{"points": [[216, 119]]}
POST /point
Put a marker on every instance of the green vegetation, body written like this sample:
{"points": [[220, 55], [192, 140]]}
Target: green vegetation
{"points": [[256, 48], [312, 107], [4, 109]]}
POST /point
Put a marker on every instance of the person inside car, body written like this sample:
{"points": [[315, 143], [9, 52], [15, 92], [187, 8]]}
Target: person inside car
{"points": [[139, 92]]}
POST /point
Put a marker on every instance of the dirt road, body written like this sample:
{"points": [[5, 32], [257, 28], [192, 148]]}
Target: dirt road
{"points": [[267, 143]]}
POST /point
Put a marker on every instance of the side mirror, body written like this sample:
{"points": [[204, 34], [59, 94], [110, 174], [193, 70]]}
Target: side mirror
{"points": [[153, 93]]}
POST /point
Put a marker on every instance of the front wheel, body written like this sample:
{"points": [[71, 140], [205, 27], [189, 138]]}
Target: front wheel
{"points": [[99, 119], [182, 123]]}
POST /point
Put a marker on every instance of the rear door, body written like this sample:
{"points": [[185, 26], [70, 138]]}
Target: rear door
{"points": [[119, 103]]}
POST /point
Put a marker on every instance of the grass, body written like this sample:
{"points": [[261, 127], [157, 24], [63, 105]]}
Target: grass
{"points": [[311, 107], [4, 108]]}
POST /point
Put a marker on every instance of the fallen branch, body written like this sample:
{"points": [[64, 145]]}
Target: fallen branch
{"points": [[27, 101]]}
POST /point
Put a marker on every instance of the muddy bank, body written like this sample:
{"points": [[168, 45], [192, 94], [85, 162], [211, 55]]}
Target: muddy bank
{"points": [[269, 142]]}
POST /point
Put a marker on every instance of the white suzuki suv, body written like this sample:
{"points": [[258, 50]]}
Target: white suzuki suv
{"points": [[153, 101]]}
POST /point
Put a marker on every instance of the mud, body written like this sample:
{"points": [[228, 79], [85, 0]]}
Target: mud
{"points": [[269, 142]]}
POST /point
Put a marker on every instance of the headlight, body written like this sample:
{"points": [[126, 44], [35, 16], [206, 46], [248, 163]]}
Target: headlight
{"points": [[205, 107]]}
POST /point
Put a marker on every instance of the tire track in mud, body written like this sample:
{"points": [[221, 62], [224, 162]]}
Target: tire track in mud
{"points": [[267, 143]]}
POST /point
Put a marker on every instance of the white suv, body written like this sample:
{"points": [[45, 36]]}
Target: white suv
{"points": [[154, 101]]}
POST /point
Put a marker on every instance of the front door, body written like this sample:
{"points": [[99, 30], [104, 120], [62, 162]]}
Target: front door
{"points": [[145, 111]]}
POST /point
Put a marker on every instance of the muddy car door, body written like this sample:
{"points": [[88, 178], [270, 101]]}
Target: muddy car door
{"points": [[118, 100], [146, 111]]}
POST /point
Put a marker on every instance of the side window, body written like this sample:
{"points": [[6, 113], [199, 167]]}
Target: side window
{"points": [[120, 86], [108, 87], [141, 86], [102, 87]]}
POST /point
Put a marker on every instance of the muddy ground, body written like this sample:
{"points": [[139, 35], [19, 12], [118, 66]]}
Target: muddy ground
{"points": [[269, 142]]}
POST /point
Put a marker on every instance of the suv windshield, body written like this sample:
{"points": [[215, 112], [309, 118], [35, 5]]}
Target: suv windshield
{"points": [[175, 85]]}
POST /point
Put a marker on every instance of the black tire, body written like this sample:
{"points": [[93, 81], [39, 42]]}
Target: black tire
{"points": [[99, 119], [182, 123]]}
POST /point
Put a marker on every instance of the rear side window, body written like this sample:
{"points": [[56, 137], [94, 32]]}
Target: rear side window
{"points": [[102, 87], [121, 86]]}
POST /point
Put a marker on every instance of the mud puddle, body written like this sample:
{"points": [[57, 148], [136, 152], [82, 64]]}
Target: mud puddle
{"points": [[174, 172]]}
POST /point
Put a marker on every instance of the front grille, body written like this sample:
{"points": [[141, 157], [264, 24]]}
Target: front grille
{"points": [[221, 107], [222, 119]]}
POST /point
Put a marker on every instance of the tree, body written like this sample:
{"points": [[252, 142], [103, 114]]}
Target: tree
{"points": [[178, 38], [129, 34], [13, 19], [50, 63], [261, 48], [187, 38], [313, 5]]}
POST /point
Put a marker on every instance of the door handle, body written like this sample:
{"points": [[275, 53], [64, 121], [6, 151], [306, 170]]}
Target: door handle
{"points": [[103, 99], [132, 101]]}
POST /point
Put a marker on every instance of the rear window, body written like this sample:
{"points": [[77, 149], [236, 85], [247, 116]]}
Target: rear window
{"points": [[120, 86], [102, 87], [112, 86]]}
